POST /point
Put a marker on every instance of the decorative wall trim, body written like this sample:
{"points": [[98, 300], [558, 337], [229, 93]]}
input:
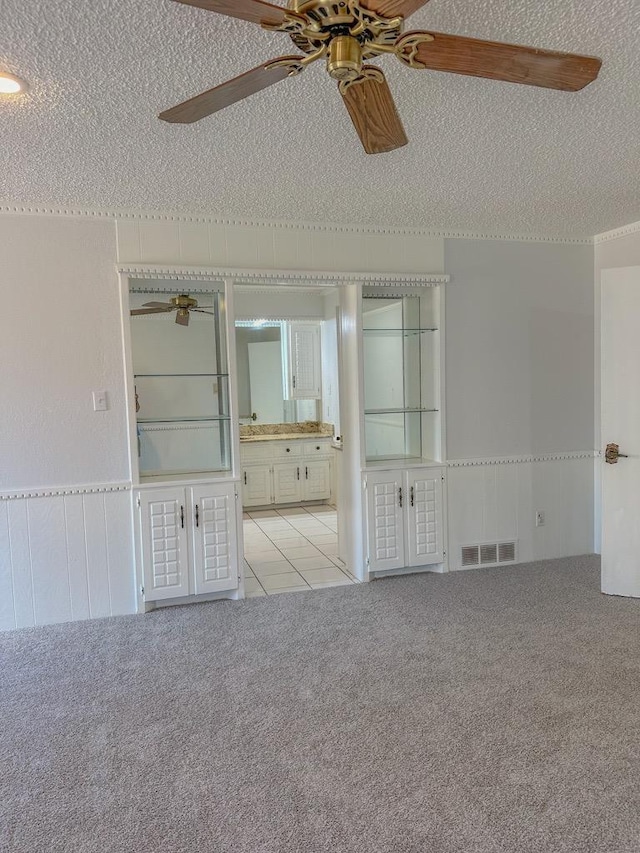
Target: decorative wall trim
{"points": [[283, 225], [61, 491], [617, 233], [520, 460], [218, 274]]}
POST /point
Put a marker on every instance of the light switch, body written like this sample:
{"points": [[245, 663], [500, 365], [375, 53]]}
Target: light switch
{"points": [[100, 402]]}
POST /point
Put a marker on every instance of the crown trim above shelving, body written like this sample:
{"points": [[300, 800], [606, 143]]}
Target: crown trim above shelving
{"points": [[617, 233], [313, 278]]}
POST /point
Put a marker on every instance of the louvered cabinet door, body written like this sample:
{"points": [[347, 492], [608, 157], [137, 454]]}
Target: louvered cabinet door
{"points": [[303, 358], [214, 537], [385, 520], [424, 517], [256, 485], [287, 482], [317, 480], [165, 559]]}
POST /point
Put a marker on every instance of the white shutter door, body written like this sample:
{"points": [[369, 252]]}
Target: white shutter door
{"points": [[215, 540], [304, 361], [164, 544], [256, 485], [287, 482], [317, 480], [424, 512], [385, 520]]}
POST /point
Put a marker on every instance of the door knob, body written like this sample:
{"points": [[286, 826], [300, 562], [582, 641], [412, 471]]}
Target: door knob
{"points": [[612, 454]]}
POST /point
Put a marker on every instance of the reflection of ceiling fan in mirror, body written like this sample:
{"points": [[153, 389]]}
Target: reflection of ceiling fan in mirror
{"points": [[183, 305], [346, 33]]}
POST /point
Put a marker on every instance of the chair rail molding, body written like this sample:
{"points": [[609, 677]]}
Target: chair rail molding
{"points": [[523, 460]]}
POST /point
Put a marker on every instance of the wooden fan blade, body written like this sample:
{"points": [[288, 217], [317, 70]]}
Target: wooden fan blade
{"points": [[497, 61], [202, 311], [166, 306], [256, 11], [373, 112], [182, 317], [138, 311], [393, 8], [228, 93]]}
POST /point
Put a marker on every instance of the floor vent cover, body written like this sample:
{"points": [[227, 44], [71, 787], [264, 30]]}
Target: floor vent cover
{"points": [[488, 554]]}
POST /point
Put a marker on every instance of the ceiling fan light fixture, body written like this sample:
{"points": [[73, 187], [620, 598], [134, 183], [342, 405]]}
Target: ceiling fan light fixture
{"points": [[11, 85]]}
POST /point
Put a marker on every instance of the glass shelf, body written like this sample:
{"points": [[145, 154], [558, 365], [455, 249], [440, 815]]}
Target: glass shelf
{"points": [[407, 410], [177, 375], [404, 333], [183, 420]]}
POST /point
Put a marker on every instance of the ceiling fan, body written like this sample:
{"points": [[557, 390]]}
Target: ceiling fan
{"points": [[347, 32], [183, 305]]}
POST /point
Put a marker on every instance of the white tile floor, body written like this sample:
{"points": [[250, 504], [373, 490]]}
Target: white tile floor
{"points": [[289, 550]]}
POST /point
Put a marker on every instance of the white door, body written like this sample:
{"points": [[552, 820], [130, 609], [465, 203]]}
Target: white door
{"points": [[424, 514], [287, 482], [620, 364], [385, 520], [317, 480], [265, 379], [165, 560], [256, 485], [304, 361], [214, 537]]}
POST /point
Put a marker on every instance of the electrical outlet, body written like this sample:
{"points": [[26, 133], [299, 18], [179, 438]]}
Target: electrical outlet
{"points": [[540, 518]]}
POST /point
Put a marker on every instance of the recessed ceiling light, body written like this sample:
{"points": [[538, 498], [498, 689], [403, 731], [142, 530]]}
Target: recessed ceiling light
{"points": [[10, 85]]}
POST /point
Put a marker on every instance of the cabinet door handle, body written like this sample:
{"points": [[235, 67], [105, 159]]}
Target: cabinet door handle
{"points": [[306, 473], [298, 470], [412, 495], [400, 497], [245, 478], [293, 381], [182, 517], [197, 516]]}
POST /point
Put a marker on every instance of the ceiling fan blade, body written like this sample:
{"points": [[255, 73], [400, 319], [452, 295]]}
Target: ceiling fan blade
{"points": [[138, 311], [497, 61], [202, 311], [394, 8], [167, 306], [182, 317], [373, 111], [228, 93], [256, 11]]}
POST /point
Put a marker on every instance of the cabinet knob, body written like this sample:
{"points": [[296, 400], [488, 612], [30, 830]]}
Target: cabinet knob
{"points": [[317, 447], [288, 450]]}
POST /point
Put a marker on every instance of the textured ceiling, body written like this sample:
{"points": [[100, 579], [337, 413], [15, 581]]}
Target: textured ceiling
{"points": [[483, 156]]}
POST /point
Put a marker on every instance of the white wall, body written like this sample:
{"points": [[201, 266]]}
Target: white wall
{"points": [[520, 395], [65, 532], [516, 341]]}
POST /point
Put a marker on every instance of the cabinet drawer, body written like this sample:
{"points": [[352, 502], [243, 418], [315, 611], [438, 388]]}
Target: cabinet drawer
{"points": [[317, 448]]}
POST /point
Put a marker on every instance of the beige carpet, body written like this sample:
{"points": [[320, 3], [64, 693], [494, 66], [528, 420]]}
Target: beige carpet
{"points": [[495, 710]]}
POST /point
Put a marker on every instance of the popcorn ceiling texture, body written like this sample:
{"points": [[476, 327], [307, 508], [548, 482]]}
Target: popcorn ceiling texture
{"points": [[483, 156]]}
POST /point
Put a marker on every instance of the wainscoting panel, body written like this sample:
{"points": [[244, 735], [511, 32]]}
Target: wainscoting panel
{"points": [[494, 500], [65, 555]]}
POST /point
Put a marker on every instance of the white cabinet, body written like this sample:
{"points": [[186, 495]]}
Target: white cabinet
{"points": [[256, 485], [277, 472], [302, 361], [287, 485], [404, 518], [188, 540]]}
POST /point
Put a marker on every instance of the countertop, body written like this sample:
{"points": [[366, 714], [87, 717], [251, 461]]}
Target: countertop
{"points": [[285, 436]]}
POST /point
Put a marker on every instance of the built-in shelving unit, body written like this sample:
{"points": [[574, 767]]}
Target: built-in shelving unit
{"points": [[181, 384], [401, 344]]}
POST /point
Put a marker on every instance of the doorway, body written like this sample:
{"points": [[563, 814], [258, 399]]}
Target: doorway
{"points": [[290, 437]]}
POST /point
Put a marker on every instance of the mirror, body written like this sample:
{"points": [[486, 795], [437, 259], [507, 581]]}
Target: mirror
{"points": [[260, 377]]}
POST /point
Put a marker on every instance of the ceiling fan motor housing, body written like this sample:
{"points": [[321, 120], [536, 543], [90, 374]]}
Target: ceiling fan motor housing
{"points": [[344, 61]]}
